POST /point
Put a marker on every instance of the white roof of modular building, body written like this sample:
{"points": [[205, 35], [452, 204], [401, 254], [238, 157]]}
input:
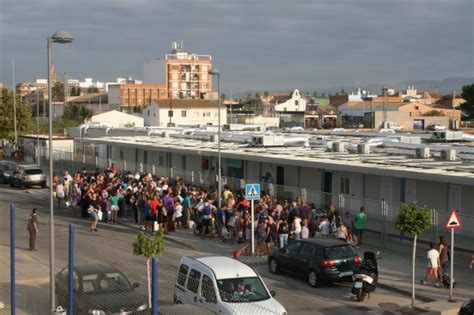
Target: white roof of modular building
{"points": [[395, 155]]}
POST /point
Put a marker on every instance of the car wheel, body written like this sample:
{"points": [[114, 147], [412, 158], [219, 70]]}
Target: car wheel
{"points": [[313, 279], [43, 186], [22, 186], [273, 265]]}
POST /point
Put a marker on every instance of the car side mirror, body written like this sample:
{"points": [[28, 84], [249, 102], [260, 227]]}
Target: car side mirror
{"points": [[136, 285], [273, 293], [378, 255]]}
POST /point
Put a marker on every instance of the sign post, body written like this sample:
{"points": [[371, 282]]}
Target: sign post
{"points": [[452, 223], [252, 192]]}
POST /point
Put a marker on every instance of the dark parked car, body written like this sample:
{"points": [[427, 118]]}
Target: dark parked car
{"points": [[467, 308], [6, 170], [319, 260], [100, 289], [27, 176]]}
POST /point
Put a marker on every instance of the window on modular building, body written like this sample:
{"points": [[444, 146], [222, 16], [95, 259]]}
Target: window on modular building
{"points": [[183, 113], [345, 186], [183, 162]]}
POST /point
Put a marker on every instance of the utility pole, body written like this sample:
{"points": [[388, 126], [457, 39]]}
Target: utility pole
{"points": [[384, 92], [14, 103], [37, 128]]}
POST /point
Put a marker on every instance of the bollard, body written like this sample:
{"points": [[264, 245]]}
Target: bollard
{"points": [[12, 260], [154, 286], [70, 286]]}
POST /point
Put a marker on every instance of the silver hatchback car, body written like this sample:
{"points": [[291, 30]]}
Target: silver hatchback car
{"points": [[27, 176]]}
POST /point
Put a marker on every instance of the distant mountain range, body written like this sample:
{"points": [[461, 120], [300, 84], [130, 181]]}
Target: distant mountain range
{"points": [[444, 86]]}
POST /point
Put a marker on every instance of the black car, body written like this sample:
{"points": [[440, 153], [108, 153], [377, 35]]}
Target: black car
{"points": [[319, 260], [100, 289], [6, 170], [467, 308]]}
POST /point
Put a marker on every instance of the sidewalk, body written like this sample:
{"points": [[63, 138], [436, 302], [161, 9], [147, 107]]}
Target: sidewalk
{"points": [[394, 267]]}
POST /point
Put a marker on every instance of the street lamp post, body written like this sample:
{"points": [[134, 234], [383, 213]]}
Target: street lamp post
{"points": [[217, 73], [61, 38]]}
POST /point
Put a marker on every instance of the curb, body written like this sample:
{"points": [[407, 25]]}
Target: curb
{"points": [[422, 298], [181, 243]]}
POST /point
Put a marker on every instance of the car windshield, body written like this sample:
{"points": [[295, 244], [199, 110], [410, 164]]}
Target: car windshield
{"points": [[242, 290], [33, 171], [335, 252], [104, 283]]}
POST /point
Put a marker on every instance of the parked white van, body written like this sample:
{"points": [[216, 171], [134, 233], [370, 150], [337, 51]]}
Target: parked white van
{"points": [[224, 285]]}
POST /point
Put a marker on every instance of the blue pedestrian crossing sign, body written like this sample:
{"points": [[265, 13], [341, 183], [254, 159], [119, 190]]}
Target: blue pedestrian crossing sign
{"points": [[252, 191]]}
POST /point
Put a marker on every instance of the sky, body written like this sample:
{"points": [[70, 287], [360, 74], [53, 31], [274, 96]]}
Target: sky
{"points": [[257, 44]]}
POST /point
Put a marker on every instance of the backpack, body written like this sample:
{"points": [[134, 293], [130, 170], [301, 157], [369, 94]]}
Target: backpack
{"points": [[283, 228], [206, 210], [333, 227]]}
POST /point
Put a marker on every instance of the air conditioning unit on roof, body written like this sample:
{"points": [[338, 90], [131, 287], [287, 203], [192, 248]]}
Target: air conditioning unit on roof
{"points": [[448, 155], [423, 153]]}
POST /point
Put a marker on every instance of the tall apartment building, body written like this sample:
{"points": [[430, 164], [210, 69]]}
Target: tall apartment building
{"points": [[135, 95], [187, 74]]}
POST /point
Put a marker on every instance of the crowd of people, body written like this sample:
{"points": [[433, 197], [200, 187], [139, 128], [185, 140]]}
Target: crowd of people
{"points": [[107, 195]]}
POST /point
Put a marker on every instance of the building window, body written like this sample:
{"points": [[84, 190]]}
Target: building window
{"points": [[204, 85], [345, 186], [296, 102], [183, 113], [148, 112], [145, 157], [174, 68]]}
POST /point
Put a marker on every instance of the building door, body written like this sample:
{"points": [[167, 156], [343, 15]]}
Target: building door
{"points": [[280, 175]]}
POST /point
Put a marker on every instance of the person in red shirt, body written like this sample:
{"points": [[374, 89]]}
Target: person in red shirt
{"points": [[154, 208]]}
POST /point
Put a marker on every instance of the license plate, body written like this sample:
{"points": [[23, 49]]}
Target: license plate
{"points": [[345, 274], [358, 285]]}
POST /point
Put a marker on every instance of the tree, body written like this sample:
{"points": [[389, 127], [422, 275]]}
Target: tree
{"points": [[468, 96], [92, 89], [222, 96], [266, 94], [434, 112], [77, 113], [413, 220], [58, 91], [78, 91], [73, 91], [149, 247], [315, 94], [23, 115], [323, 94]]}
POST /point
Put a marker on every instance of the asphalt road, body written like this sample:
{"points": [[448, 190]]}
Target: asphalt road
{"points": [[112, 245]]}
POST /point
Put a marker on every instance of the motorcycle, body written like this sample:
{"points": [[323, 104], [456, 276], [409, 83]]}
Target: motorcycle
{"points": [[366, 277]]}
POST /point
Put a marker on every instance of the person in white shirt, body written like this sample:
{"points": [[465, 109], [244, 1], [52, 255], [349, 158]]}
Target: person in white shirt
{"points": [[324, 227], [297, 226], [433, 265], [178, 214]]}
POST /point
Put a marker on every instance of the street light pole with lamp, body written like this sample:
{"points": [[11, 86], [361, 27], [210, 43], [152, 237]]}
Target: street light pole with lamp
{"points": [[60, 38], [217, 73]]}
